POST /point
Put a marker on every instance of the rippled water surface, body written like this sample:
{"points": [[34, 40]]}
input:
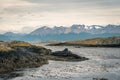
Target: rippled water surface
{"points": [[103, 63]]}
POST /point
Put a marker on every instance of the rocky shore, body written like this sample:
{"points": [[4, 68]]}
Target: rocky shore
{"points": [[17, 55]]}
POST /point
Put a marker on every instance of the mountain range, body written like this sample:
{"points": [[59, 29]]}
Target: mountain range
{"points": [[62, 33], [93, 29]]}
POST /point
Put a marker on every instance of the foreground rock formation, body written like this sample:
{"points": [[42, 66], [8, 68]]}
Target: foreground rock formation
{"points": [[18, 55]]}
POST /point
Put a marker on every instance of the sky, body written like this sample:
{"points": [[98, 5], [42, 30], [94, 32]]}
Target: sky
{"points": [[26, 15]]}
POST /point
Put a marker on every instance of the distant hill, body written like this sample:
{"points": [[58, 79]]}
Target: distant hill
{"points": [[94, 42], [15, 36], [3, 38], [68, 36], [101, 41]]}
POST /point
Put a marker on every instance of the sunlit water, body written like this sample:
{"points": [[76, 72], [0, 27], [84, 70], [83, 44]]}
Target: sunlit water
{"points": [[103, 63]]}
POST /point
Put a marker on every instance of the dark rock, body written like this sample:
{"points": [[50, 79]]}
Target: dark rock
{"points": [[66, 54], [77, 47], [100, 79], [10, 75]]}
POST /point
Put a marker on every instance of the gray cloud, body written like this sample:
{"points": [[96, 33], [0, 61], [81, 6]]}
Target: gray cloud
{"points": [[63, 6], [20, 13], [82, 2], [1, 18], [74, 5], [71, 1]]}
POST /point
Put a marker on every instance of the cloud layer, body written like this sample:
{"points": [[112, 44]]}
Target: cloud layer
{"points": [[16, 14]]}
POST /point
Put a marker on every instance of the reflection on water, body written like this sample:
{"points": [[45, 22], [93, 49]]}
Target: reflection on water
{"points": [[103, 63]]}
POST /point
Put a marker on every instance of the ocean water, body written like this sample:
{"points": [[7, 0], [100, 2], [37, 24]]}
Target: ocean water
{"points": [[103, 63]]}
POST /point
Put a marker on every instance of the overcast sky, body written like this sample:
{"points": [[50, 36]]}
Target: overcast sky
{"points": [[25, 15]]}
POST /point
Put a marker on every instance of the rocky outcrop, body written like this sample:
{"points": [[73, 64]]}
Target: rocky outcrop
{"points": [[68, 55], [17, 55]]}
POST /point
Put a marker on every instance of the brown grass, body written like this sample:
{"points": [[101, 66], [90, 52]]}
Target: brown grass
{"points": [[88, 41], [5, 48], [19, 44], [94, 41]]}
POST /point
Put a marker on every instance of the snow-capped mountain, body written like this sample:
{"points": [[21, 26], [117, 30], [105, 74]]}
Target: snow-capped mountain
{"points": [[93, 29], [62, 33]]}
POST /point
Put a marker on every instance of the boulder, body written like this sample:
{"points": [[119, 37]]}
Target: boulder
{"points": [[66, 54]]}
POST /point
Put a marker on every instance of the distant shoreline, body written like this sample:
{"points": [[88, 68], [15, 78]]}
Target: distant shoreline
{"points": [[85, 45], [94, 42]]}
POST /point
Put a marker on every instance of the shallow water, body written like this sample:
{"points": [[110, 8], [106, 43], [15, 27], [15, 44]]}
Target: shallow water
{"points": [[103, 63]]}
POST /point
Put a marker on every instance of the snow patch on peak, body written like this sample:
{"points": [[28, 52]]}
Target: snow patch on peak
{"points": [[89, 27], [79, 27], [93, 27], [86, 27], [45, 27], [97, 27]]}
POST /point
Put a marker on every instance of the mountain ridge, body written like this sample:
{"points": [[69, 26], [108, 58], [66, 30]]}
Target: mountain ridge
{"points": [[93, 29], [62, 33]]}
